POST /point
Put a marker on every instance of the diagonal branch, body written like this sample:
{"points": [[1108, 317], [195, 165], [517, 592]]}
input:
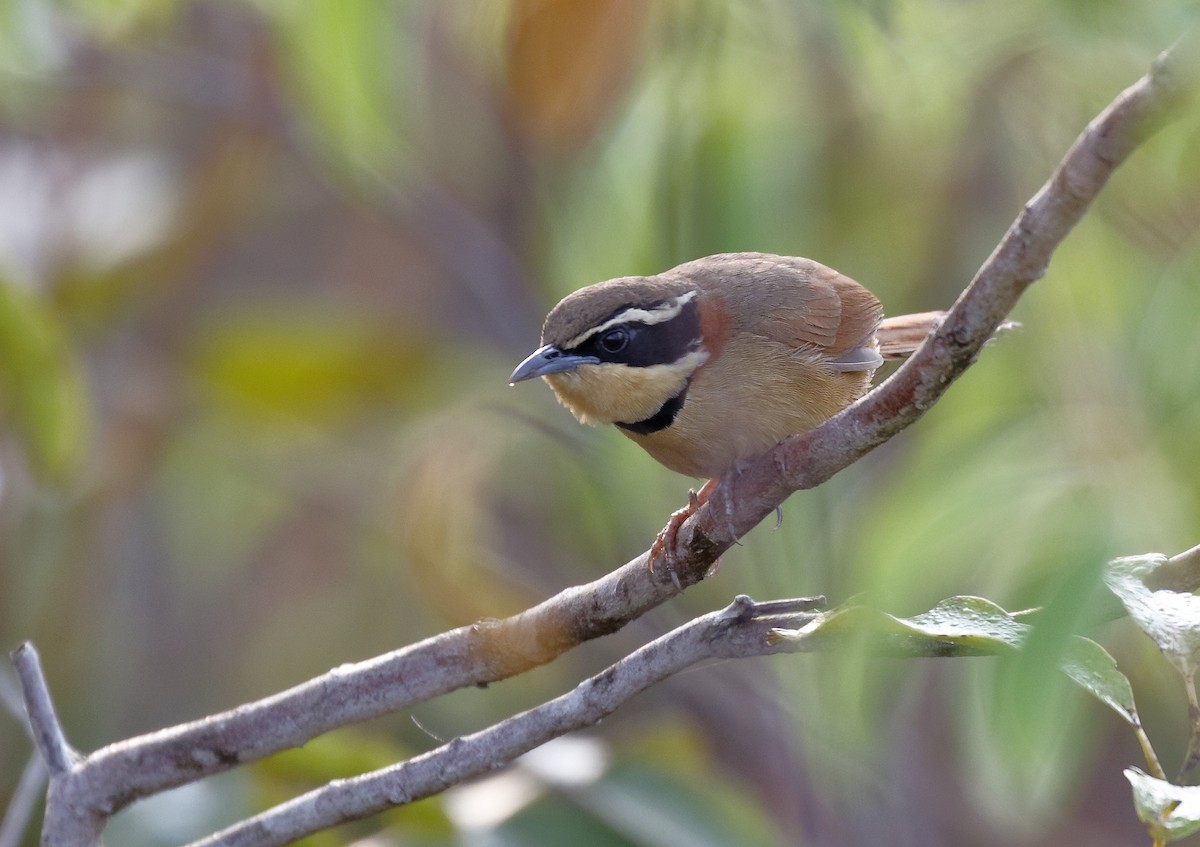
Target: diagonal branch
{"points": [[1021, 258], [87, 792], [740, 630], [956, 627]]}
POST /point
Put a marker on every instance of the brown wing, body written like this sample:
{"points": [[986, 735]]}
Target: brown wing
{"points": [[791, 300]]}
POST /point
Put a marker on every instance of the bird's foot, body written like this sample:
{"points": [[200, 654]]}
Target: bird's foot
{"points": [[663, 548]]}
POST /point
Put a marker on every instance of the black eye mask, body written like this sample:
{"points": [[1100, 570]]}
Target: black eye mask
{"points": [[642, 345]]}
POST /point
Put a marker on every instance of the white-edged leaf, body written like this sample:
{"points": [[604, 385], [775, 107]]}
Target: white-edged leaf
{"points": [[1171, 618], [1170, 812]]}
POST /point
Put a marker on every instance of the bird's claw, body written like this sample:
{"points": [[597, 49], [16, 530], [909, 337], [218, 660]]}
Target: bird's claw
{"points": [[664, 545]]}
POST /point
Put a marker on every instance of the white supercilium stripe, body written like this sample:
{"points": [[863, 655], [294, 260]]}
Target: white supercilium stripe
{"points": [[643, 316]]}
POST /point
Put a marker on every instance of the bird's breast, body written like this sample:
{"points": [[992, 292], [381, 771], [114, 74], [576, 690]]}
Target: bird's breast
{"points": [[754, 395]]}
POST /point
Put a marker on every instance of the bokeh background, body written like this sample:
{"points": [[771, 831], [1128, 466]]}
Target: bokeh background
{"points": [[266, 266]]}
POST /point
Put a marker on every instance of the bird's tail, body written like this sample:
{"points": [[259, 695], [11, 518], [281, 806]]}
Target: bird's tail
{"points": [[900, 336]]}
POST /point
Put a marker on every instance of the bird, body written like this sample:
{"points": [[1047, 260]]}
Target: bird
{"points": [[713, 362]]}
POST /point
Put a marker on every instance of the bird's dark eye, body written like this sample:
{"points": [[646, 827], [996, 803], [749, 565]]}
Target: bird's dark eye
{"points": [[614, 340]]}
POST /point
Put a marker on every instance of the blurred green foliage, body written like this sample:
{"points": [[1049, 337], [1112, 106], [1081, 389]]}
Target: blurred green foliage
{"points": [[42, 389], [265, 267]]}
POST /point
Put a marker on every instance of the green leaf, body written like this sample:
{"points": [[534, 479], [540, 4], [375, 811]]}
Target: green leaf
{"points": [[1170, 812], [967, 625], [973, 626], [958, 626], [970, 620], [1095, 670]]}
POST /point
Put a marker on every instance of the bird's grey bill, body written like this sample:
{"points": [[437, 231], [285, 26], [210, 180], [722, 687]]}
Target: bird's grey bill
{"points": [[549, 360]]}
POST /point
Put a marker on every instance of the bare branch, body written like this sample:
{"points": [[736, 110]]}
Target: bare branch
{"points": [[69, 820], [1021, 258], [84, 794], [738, 631], [10, 698], [43, 720], [24, 800], [743, 629], [487, 651], [1179, 573]]}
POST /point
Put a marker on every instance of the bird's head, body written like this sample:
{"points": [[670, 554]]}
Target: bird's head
{"points": [[621, 350]]}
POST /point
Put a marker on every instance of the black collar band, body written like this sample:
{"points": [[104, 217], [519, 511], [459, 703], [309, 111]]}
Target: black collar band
{"points": [[660, 420]]}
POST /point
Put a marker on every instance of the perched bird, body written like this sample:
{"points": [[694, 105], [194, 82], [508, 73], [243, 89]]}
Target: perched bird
{"points": [[714, 361]]}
